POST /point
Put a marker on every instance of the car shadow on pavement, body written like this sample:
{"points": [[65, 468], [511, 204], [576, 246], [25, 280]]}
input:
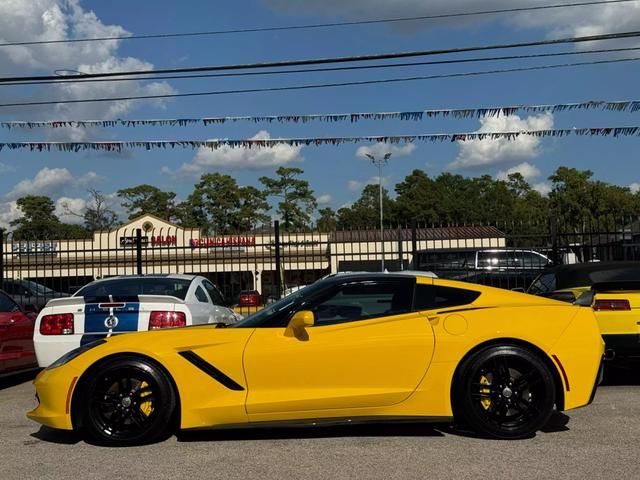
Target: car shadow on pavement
{"points": [[319, 431], [63, 437], [17, 379]]}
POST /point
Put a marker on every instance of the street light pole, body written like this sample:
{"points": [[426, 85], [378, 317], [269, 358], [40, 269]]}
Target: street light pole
{"points": [[380, 163]]}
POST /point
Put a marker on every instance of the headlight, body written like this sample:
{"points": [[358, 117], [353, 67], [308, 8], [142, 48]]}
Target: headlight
{"points": [[67, 357]]}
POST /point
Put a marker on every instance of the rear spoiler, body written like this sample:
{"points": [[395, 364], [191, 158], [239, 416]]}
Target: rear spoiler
{"points": [[79, 301], [620, 285]]}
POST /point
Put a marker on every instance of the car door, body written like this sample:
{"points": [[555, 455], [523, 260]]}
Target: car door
{"points": [[222, 313], [200, 306], [367, 348], [16, 336]]}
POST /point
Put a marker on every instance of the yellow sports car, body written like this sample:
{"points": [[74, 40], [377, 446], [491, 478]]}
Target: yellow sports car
{"points": [[612, 289], [382, 347]]}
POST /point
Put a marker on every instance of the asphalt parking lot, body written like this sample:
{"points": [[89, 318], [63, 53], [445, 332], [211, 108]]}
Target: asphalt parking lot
{"points": [[600, 441]]}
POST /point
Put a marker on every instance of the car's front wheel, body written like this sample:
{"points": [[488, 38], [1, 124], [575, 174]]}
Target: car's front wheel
{"points": [[126, 401], [504, 392]]}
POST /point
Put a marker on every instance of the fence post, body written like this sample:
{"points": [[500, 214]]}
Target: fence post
{"points": [[553, 230], [400, 247], [414, 245], [139, 251], [1, 258], [276, 234]]}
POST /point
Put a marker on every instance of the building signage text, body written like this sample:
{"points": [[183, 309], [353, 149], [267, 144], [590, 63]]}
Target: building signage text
{"points": [[35, 248], [216, 242]]}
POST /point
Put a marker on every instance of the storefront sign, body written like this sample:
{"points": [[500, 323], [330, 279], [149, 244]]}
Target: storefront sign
{"points": [[35, 248], [164, 240], [218, 242], [129, 242]]}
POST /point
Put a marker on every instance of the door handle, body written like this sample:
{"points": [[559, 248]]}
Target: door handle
{"points": [[434, 319]]}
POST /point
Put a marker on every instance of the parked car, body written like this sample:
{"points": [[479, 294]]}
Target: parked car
{"points": [[347, 348], [30, 295], [248, 302], [497, 267], [16, 338], [612, 289], [127, 304]]}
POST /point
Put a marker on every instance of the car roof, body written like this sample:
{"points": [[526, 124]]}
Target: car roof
{"points": [[377, 275], [137, 277], [586, 274]]}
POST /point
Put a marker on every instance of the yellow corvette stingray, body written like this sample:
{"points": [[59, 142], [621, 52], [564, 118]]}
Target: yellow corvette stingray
{"points": [[381, 347]]}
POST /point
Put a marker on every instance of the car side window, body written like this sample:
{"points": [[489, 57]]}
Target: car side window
{"points": [[430, 297], [7, 305], [363, 300], [200, 295], [543, 284], [214, 293]]}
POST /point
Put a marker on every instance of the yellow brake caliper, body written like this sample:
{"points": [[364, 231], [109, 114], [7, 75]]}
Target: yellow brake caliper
{"points": [[485, 401], [146, 406]]}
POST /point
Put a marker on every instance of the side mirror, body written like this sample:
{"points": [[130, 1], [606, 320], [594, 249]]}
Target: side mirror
{"points": [[298, 324]]}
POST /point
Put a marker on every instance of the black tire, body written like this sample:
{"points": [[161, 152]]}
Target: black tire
{"points": [[126, 401], [504, 392]]}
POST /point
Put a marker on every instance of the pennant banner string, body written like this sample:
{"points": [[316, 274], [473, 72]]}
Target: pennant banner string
{"points": [[630, 106], [316, 141]]}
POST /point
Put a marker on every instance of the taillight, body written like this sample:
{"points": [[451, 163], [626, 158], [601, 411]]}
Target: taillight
{"points": [[167, 320], [57, 324], [604, 305], [249, 300]]}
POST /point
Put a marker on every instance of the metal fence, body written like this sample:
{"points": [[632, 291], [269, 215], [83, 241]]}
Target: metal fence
{"points": [[273, 261]]}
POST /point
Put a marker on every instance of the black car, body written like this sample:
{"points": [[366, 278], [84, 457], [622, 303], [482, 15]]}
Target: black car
{"points": [[30, 295]]}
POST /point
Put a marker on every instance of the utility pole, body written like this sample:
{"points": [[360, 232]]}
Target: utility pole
{"points": [[380, 163]]}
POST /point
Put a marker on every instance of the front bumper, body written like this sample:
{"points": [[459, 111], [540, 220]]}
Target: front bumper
{"points": [[54, 391]]}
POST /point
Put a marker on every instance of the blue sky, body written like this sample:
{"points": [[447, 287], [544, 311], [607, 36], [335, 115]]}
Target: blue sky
{"points": [[335, 173]]}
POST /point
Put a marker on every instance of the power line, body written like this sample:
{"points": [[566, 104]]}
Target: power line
{"points": [[320, 85], [319, 25], [330, 60], [631, 106], [331, 69], [624, 131]]}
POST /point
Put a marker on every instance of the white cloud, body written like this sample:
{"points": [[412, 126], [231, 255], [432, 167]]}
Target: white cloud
{"points": [[9, 211], [69, 210], [4, 168], [41, 20], [230, 158], [543, 188], [354, 185], [589, 20], [379, 150], [324, 199], [525, 169], [477, 153], [52, 182], [634, 187]]}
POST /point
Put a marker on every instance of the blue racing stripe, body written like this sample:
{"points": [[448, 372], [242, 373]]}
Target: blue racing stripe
{"points": [[127, 315]]}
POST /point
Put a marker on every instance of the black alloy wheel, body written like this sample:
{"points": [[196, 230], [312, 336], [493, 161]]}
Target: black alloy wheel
{"points": [[505, 392], [127, 401]]}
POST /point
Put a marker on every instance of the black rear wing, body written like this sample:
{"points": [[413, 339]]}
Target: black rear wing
{"points": [[616, 286]]}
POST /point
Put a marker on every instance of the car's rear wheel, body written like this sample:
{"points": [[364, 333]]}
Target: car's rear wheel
{"points": [[504, 392], [127, 401]]}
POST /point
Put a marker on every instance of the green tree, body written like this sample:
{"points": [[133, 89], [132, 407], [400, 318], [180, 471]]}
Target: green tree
{"points": [[328, 221], [39, 221], [418, 199], [218, 204], [297, 202], [147, 199], [365, 212]]}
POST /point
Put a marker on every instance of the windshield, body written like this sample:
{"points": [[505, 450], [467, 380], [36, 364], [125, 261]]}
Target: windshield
{"points": [[282, 306], [37, 287], [129, 287]]}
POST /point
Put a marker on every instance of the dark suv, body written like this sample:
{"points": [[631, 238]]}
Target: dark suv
{"points": [[497, 267]]}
